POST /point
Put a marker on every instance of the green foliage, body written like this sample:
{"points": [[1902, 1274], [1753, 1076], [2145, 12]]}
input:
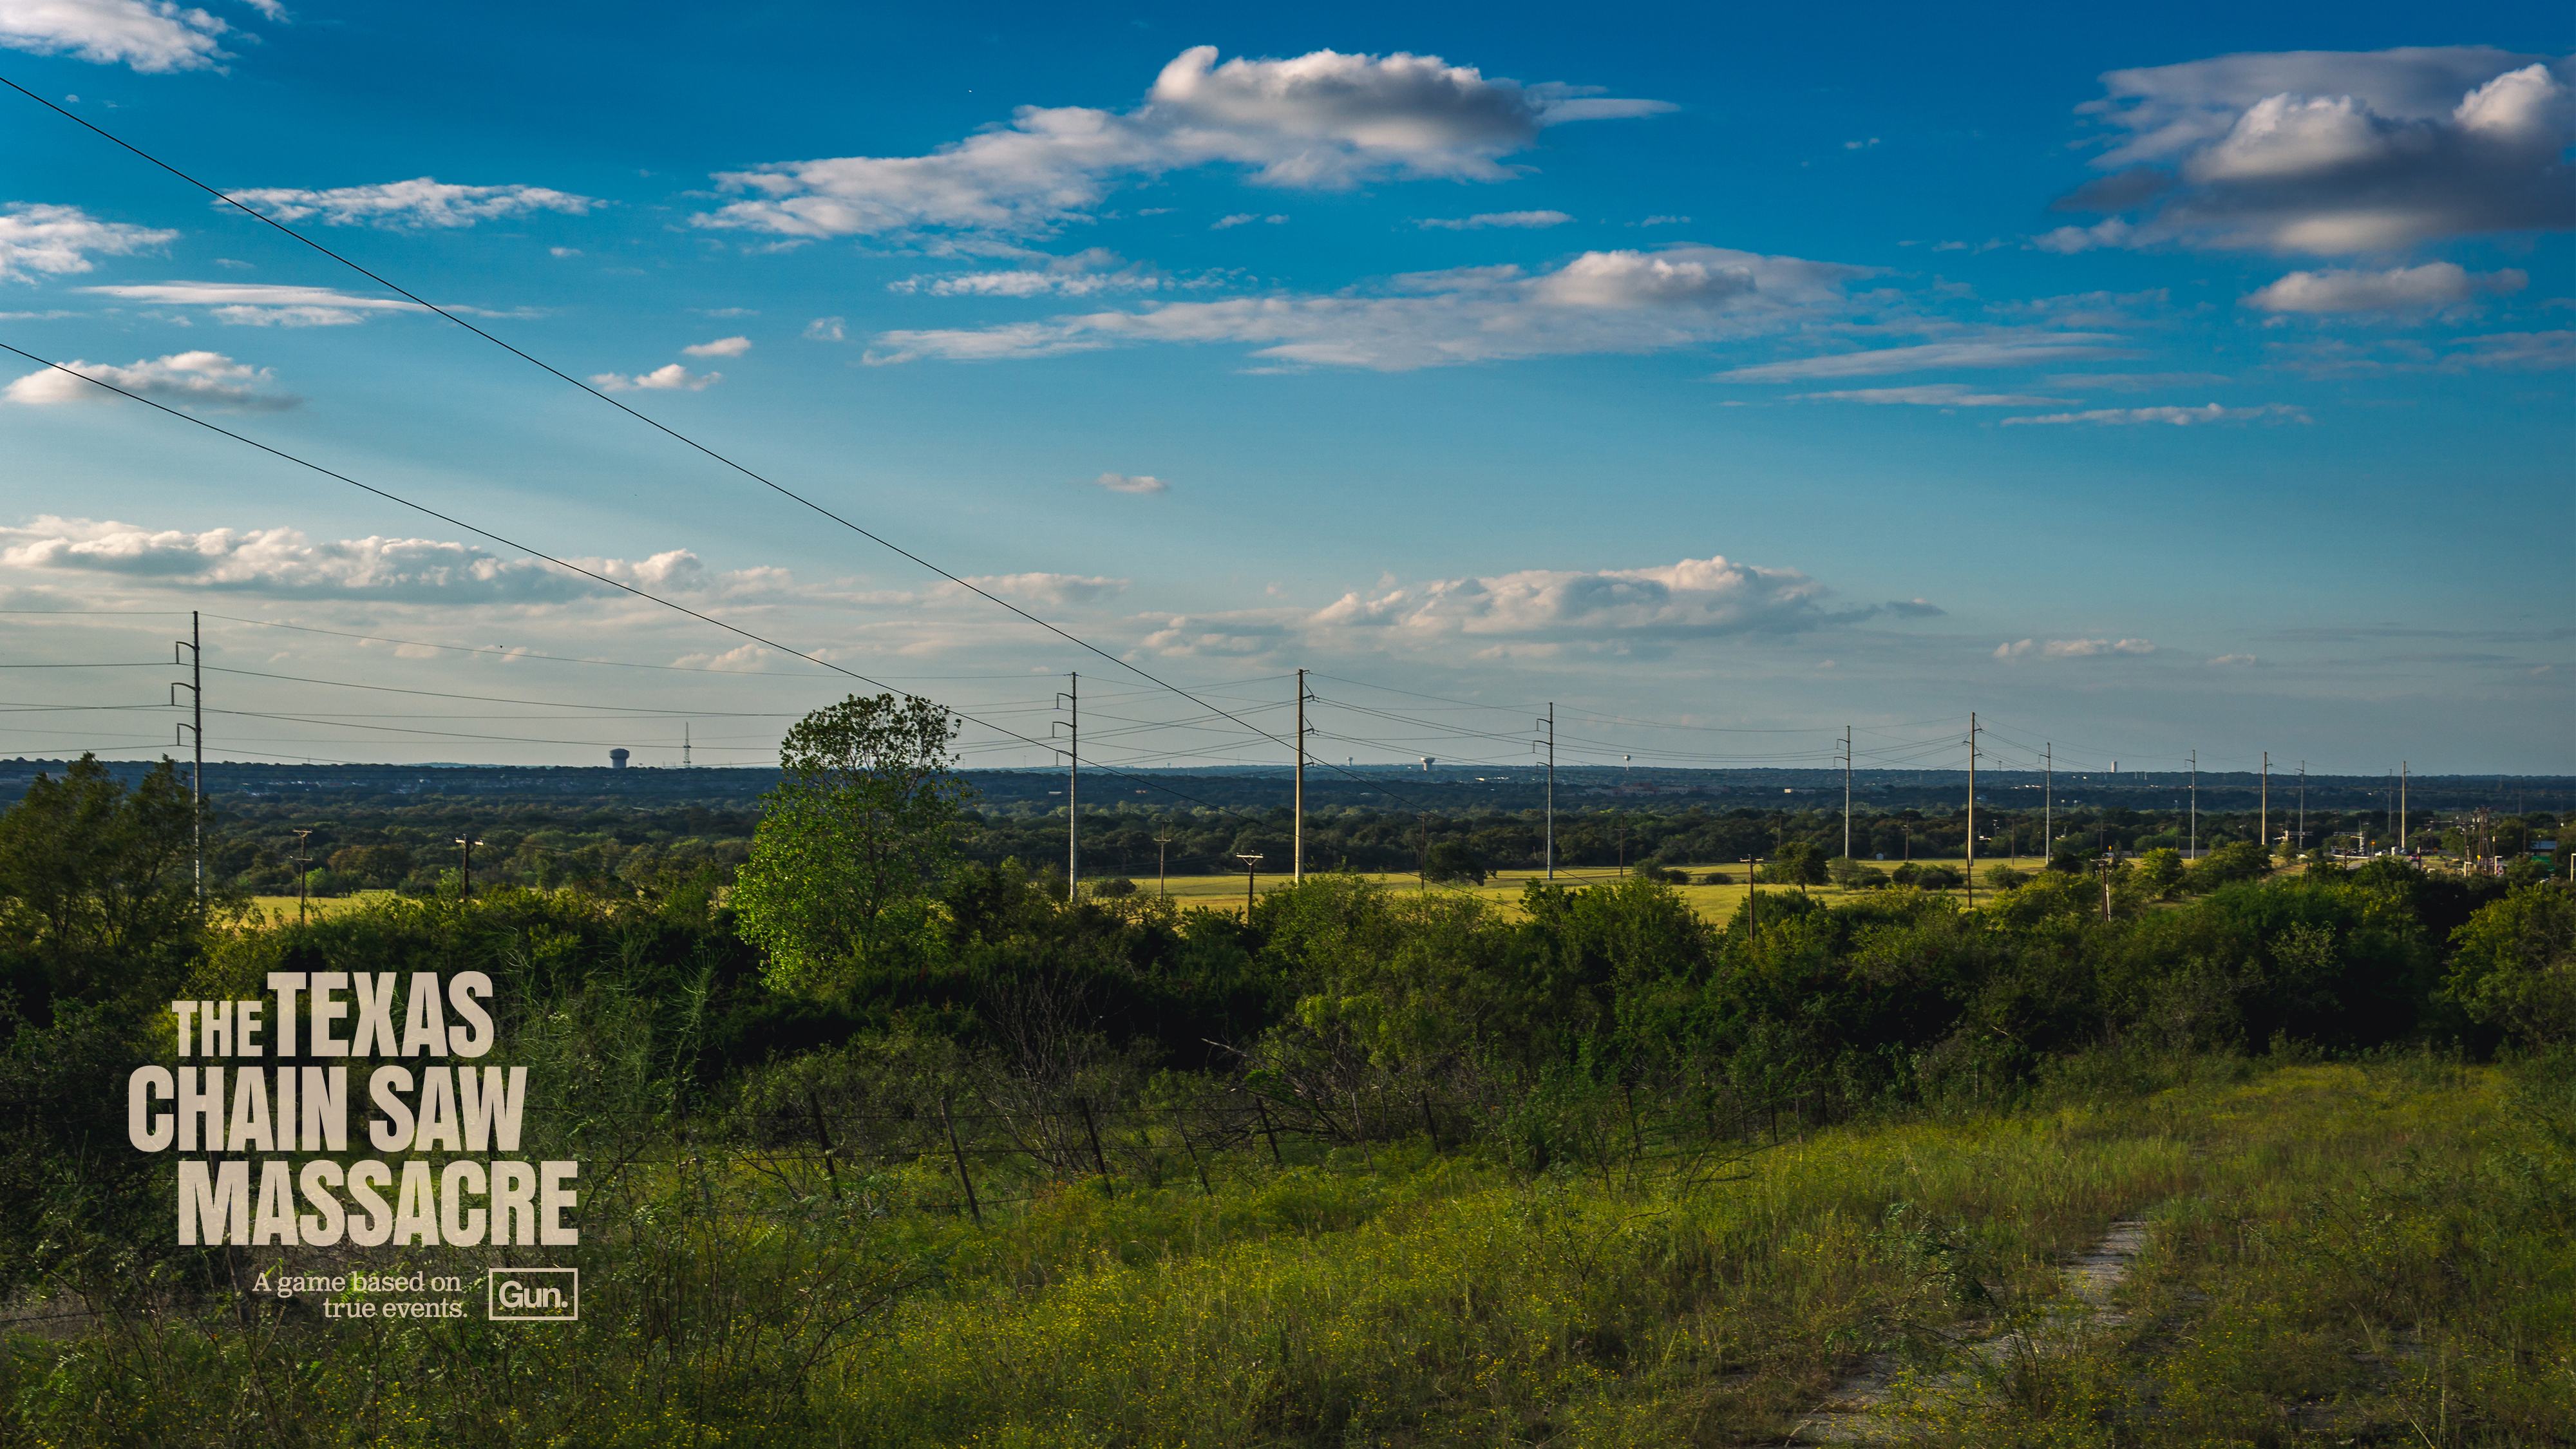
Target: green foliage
{"points": [[2003, 877], [1454, 860], [2161, 872], [854, 840], [1795, 863], [2238, 860], [2515, 965], [96, 893]]}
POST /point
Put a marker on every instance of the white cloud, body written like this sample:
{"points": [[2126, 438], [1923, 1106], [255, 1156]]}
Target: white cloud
{"points": [[1695, 598], [668, 378], [721, 347], [284, 561], [153, 36], [2509, 351], [253, 304], [1130, 483], [1665, 221], [60, 239], [1083, 274], [2178, 417], [1053, 589], [2000, 349], [1615, 301], [1318, 121], [1483, 219], [2332, 153], [1244, 218], [1938, 394], [2074, 648], [2435, 284], [826, 329], [422, 201], [563, 251], [2232, 660], [182, 377]]}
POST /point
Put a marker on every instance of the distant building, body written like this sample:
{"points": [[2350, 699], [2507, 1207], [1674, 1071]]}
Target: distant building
{"points": [[617, 759]]}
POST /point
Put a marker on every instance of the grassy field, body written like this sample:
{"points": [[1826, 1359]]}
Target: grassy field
{"points": [[2336, 1254], [1719, 902]]}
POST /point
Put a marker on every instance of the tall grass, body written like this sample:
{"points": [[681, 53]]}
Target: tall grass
{"points": [[2337, 1250]]}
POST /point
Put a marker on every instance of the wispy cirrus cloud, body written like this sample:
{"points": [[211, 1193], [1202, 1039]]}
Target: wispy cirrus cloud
{"points": [[2330, 153], [423, 201], [1525, 220], [254, 304], [1937, 394], [60, 240], [205, 378], [1994, 350], [2175, 416], [2075, 649], [1322, 121], [1131, 483], [1606, 301]]}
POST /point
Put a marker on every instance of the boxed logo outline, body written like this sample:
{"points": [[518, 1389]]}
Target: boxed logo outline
{"points": [[547, 1297]]}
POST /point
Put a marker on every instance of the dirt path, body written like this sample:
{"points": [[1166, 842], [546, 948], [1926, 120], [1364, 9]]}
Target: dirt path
{"points": [[1856, 1412]]}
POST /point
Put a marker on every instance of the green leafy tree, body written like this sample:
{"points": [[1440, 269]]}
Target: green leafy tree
{"points": [[1454, 860], [2237, 860], [2003, 877], [96, 885], [2160, 873], [2515, 965], [851, 843], [1797, 863]]}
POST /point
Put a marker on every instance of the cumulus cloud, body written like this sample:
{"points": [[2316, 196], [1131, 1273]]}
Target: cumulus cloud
{"points": [[2074, 648], [2178, 417], [420, 202], [2331, 153], [1130, 483], [668, 378], [1695, 598], [1937, 394], [1318, 121], [1614, 301], [58, 240], [2000, 349], [1484, 219], [2435, 284], [206, 378], [253, 304], [152, 36], [1052, 589], [283, 561], [826, 329], [721, 347]]}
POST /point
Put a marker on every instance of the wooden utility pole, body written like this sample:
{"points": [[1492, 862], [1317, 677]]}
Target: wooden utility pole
{"points": [[1847, 792], [196, 688], [2048, 799], [1549, 723], [1072, 697], [2401, 807], [1972, 810], [2266, 816], [303, 868], [465, 874], [1298, 871], [2195, 804], [1163, 865]]}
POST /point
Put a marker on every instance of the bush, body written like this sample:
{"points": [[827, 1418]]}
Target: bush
{"points": [[1842, 870], [1716, 877], [1659, 875], [2229, 863], [2160, 873], [1798, 863], [2004, 877], [1454, 860]]}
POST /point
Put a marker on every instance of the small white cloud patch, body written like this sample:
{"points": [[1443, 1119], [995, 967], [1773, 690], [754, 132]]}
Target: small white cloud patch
{"points": [[207, 378], [1130, 483], [2399, 289], [421, 202], [1530, 220], [669, 378], [56, 240], [721, 347], [2174, 416]]}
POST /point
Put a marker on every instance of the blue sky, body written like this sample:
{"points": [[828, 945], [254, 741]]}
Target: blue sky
{"points": [[2194, 379]]}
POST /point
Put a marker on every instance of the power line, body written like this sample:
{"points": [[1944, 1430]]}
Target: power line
{"points": [[540, 554], [644, 418]]}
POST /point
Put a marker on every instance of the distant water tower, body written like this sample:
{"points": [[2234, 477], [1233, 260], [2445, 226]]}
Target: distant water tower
{"points": [[617, 759], [1427, 763]]}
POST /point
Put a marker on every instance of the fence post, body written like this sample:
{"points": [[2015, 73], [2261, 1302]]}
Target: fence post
{"points": [[964, 1178], [1108, 1184], [1430, 1124], [1184, 1129]]}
